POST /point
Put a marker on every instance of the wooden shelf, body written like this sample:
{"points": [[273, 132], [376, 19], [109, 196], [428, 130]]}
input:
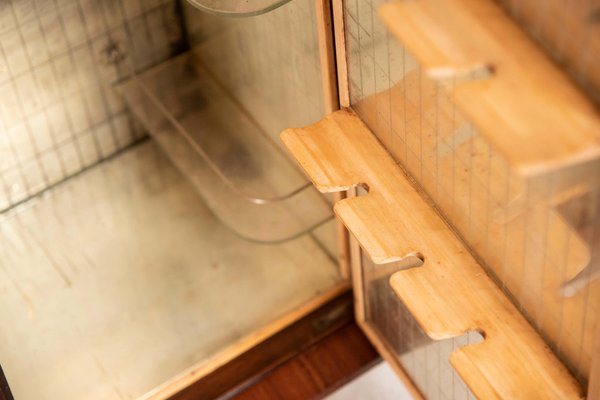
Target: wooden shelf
{"points": [[525, 105], [450, 294], [521, 214]]}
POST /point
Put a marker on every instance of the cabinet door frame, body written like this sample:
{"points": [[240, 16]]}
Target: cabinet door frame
{"points": [[354, 251]]}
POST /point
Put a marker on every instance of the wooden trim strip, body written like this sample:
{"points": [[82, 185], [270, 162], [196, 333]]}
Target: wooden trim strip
{"points": [[390, 358], [361, 320], [450, 294], [340, 52], [325, 31], [251, 366], [205, 367], [327, 55]]}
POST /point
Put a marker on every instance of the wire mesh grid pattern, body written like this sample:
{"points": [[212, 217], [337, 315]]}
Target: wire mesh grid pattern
{"points": [[269, 63], [569, 31], [426, 360], [58, 112], [528, 243]]}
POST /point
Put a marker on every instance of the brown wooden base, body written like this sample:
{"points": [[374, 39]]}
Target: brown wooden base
{"points": [[233, 377], [5, 393], [319, 370]]}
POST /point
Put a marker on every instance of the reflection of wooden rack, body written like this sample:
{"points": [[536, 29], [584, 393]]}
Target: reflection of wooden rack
{"points": [[526, 106], [493, 211], [450, 294], [530, 111]]}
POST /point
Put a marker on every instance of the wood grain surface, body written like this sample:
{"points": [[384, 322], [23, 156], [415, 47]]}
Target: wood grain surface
{"points": [[528, 215], [259, 360], [524, 104], [450, 294]]}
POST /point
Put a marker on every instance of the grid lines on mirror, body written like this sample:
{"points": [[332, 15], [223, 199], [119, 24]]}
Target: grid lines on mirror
{"points": [[530, 235], [58, 59]]}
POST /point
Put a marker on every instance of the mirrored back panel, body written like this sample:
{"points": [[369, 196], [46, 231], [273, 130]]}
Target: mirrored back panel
{"points": [[58, 112], [539, 237]]}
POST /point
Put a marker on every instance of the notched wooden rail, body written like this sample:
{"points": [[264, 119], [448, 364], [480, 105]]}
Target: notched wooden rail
{"points": [[528, 108], [450, 294]]}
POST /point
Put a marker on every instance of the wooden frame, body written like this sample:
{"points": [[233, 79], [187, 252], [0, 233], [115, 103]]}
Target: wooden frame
{"points": [[382, 347], [451, 295], [524, 104], [340, 53], [206, 367], [329, 76], [327, 55], [355, 259], [244, 370]]}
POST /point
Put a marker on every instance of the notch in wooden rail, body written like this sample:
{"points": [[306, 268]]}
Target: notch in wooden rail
{"points": [[526, 106], [450, 294]]}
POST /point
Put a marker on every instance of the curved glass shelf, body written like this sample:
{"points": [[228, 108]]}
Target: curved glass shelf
{"points": [[237, 8], [244, 177]]}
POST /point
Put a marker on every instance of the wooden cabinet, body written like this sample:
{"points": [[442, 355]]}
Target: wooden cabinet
{"points": [[470, 159], [448, 170]]}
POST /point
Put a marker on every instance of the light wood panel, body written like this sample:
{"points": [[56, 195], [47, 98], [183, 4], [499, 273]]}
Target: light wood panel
{"points": [[340, 53], [316, 371], [331, 103], [264, 357], [524, 104], [498, 205], [327, 54], [450, 294]]}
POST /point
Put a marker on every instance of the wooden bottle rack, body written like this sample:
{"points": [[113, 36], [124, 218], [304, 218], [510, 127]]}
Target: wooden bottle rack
{"points": [[526, 106], [450, 294]]}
